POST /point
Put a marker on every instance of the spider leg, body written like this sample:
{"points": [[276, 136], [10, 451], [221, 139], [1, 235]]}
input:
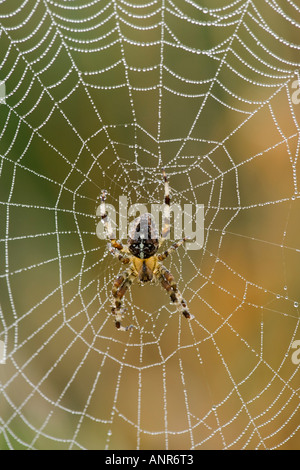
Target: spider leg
{"points": [[107, 224], [172, 248], [116, 253], [166, 211], [168, 283], [120, 287]]}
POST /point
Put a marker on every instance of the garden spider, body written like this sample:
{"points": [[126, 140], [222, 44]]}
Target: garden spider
{"points": [[141, 258]]}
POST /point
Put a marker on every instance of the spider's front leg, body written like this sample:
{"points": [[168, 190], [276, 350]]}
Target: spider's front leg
{"points": [[120, 256], [166, 211], [119, 289], [168, 282], [172, 248], [107, 225]]}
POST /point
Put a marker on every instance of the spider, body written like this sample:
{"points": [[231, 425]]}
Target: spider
{"points": [[141, 259]]}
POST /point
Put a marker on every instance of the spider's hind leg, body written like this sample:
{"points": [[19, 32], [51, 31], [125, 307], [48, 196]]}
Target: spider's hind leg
{"points": [[119, 289], [168, 283]]}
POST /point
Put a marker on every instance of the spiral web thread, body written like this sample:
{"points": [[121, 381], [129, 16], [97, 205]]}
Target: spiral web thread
{"points": [[103, 94]]}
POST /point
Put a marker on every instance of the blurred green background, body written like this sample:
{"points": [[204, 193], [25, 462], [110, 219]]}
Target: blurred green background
{"points": [[103, 94]]}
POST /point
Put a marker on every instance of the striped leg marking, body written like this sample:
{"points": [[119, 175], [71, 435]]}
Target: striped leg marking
{"points": [[119, 289], [168, 283], [166, 211]]}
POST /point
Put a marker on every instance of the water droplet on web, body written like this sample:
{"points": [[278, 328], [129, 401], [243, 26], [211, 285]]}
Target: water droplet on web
{"points": [[109, 433], [277, 296], [296, 304]]}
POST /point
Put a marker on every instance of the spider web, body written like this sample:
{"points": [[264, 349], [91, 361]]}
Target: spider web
{"points": [[103, 94]]}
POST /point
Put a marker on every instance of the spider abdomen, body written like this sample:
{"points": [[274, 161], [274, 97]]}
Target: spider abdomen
{"points": [[146, 268]]}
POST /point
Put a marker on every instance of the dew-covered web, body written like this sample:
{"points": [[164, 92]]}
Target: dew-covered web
{"points": [[103, 94]]}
